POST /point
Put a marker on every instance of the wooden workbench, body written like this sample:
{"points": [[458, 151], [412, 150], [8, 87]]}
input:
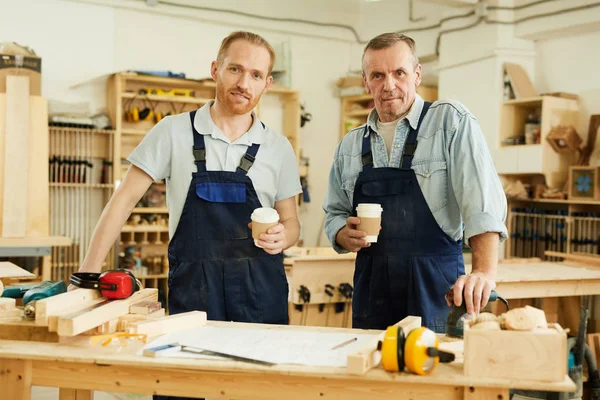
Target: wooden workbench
{"points": [[77, 368], [521, 283], [546, 279]]}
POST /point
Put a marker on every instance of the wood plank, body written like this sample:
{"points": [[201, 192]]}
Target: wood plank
{"points": [[63, 303], [585, 258], [360, 362], [231, 385], [26, 331], [15, 379], [2, 149], [71, 326], [16, 155], [170, 324], [10, 270], [47, 241], [75, 394], [38, 199], [145, 307], [472, 393]]}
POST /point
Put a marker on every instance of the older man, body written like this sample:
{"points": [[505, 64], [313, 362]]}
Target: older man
{"points": [[429, 167]]}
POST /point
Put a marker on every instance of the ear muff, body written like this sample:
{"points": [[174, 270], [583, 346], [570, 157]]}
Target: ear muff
{"points": [[392, 349], [416, 356], [113, 284], [417, 352]]}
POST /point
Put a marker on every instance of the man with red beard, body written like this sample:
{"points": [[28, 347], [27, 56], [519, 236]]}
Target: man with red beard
{"points": [[220, 163], [429, 168]]}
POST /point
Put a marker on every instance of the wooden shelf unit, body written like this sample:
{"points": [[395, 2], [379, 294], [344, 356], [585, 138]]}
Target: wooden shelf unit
{"points": [[355, 109], [78, 194], [566, 226], [539, 158]]}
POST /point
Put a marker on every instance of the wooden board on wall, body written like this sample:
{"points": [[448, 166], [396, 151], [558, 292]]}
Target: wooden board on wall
{"points": [[16, 147], [24, 192], [38, 200], [521, 84]]}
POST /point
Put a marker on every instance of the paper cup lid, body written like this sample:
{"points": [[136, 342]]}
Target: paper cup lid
{"points": [[369, 207], [265, 214]]}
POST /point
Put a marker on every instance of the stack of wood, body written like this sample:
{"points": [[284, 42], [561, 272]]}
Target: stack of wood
{"points": [[8, 310], [86, 312], [518, 319]]}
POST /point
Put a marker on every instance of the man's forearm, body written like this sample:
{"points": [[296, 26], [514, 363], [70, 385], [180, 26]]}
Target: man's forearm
{"points": [[105, 234], [292, 231], [485, 253]]}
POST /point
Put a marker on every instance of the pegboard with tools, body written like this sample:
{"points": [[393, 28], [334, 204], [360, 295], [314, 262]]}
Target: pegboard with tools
{"points": [[321, 289], [561, 226]]}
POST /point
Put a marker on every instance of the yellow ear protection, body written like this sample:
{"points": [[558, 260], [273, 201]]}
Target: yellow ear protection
{"points": [[418, 352]]}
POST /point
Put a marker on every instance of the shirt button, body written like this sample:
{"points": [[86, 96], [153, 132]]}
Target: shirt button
{"points": [[380, 147], [426, 171]]}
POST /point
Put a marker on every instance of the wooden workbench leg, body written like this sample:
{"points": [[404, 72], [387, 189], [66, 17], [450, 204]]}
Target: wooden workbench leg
{"points": [[15, 379], [473, 393], [46, 268], [75, 394]]}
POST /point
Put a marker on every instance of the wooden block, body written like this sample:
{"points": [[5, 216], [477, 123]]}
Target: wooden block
{"points": [[360, 362], [537, 355], [172, 323], [145, 307], [125, 320], [13, 315], [7, 303], [74, 325], [26, 330], [65, 303], [16, 147]]}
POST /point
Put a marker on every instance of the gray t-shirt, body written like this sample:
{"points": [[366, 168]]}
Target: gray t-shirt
{"points": [[166, 153]]}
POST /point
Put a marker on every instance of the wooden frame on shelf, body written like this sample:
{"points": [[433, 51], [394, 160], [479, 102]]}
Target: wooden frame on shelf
{"points": [[584, 183]]}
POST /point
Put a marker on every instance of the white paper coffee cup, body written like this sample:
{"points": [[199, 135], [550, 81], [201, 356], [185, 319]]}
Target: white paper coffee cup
{"points": [[370, 220], [262, 219]]}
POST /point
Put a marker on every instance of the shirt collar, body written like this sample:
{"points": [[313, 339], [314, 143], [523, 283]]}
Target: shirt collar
{"points": [[205, 126], [412, 117]]}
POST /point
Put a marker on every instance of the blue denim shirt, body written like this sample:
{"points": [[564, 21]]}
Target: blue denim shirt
{"points": [[452, 163]]}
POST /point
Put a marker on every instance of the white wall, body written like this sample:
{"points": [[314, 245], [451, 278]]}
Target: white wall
{"points": [[81, 40], [570, 64]]}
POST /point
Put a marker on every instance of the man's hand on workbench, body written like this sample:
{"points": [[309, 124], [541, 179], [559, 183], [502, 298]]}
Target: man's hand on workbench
{"points": [[476, 288]]}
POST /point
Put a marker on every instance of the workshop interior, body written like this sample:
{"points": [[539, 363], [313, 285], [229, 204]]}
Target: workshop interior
{"points": [[202, 199]]}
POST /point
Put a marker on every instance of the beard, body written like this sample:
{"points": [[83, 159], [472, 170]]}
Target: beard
{"points": [[235, 104]]}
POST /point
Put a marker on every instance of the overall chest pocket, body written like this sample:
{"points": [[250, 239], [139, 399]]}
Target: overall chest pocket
{"points": [[398, 217], [433, 180], [221, 210]]}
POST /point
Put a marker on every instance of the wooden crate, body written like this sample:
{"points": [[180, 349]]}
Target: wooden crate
{"points": [[539, 355], [564, 139], [584, 183]]}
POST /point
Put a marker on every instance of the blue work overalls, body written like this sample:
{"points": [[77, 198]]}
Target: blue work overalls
{"points": [[214, 265], [414, 262]]}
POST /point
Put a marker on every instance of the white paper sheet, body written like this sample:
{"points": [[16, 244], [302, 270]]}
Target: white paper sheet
{"points": [[276, 346]]}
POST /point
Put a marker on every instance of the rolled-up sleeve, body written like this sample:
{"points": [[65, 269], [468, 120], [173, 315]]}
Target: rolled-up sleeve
{"points": [[475, 182], [336, 205]]}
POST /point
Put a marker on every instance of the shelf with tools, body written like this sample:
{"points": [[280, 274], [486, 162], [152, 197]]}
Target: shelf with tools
{"points": [[81, 183], [563, 226], [356, 108]]}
